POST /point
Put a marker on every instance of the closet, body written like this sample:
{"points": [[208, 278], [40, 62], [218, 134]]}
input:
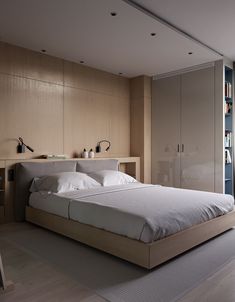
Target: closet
{"points": [[183, 130]]}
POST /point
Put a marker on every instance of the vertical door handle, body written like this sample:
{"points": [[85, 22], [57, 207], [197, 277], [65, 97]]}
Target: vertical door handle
{"points": [[182, 148], [178, 148]]}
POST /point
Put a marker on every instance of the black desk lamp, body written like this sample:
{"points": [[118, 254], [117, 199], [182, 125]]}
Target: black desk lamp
{"points": [[21, 146], [98, 147]]}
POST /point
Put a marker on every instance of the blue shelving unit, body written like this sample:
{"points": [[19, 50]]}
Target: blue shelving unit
{"points": [[228, 136]]}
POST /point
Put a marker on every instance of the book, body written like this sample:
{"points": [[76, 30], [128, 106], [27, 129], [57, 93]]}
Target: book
{"points": [[54, 156], [228, 158], [228, 89]]}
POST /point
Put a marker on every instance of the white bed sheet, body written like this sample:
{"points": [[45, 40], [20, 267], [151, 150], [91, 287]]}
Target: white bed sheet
{"points": [[138, 211], [50, 202]]}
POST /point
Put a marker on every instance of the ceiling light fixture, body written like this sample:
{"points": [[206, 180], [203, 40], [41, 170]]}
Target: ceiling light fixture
{"points": [[113, 14]]}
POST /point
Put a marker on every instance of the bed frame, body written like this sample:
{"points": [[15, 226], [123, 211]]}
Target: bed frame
{"points": [[147, 255]]}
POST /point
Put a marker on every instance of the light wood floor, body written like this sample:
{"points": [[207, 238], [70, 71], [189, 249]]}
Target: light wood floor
{"points": [[35, 280], [219, 287]]}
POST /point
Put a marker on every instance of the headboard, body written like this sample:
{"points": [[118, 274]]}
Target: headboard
{"points": [[26, 171]]}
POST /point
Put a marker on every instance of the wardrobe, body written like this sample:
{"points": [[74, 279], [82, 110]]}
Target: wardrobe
{"points": [[188, 129]]}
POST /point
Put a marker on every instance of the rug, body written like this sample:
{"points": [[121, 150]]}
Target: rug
{"points": [[119, 281]]}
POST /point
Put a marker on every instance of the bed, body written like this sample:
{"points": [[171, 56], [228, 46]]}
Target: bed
{"points": [[124, 220]]}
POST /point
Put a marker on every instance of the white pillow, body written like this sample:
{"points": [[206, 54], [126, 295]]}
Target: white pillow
{"points": [[111, 177], [63, 182]]}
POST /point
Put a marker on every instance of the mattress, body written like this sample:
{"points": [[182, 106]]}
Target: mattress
{"points": [[51, 203], [138, 211]]}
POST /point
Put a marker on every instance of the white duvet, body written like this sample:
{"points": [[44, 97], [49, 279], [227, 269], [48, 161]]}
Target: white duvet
{"points": [[138, 211]]}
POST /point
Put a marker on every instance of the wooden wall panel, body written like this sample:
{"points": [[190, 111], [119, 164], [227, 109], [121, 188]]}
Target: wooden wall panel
{"points": [[137, 127], [90, 117], [33, 110], [60, 107], [147, 140], [77, 76], [141, 124], [120, 126], [30, 64], [83, 77]]}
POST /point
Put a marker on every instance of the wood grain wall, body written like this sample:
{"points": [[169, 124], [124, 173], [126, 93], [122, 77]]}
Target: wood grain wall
{"points": [[60, 107], [141, 95]]}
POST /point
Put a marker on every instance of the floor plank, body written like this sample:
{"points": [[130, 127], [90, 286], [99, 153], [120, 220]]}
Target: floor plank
{"points": [[218, 287], [38, 281], [35, 280]]}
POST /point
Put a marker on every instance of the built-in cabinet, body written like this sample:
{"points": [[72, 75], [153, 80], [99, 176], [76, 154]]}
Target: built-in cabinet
{"points": [[166, 140], [183, 130], [186, 131]]}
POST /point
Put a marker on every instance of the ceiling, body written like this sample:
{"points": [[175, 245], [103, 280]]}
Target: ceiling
{"points": [[210, 21], [84, 30]]}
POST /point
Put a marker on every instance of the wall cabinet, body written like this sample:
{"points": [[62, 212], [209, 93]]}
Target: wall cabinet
{"points": [[183, 137]]}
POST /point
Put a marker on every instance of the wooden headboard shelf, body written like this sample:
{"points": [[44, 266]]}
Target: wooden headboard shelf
{"points": [[130, 165]]}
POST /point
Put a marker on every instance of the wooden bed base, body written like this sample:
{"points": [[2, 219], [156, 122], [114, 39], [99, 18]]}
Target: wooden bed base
{"points": [[147, 255]]}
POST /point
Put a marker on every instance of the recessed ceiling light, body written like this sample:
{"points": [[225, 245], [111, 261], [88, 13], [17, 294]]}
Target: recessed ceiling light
{"points": [[82, 62], [153, 34], [190, 53], [113, 14], [43, 50]]}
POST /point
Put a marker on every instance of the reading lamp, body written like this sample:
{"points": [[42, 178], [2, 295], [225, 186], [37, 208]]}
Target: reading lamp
{"points": [[98, 147], [21, 146]]}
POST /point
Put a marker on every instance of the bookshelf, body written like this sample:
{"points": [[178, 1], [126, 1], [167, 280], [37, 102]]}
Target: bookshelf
{"points": [[228, 130]]}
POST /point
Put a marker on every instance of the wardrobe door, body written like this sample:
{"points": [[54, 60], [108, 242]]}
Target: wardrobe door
{"points": [[166, 131], [197, 130]]}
